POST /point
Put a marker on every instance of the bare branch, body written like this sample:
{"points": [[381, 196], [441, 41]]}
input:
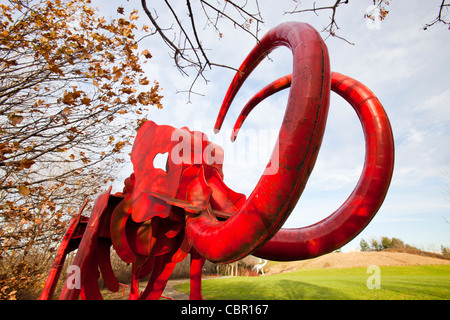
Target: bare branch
{"points": [[188, 49], [332, 27], [194, 29], [241, 9], [221, 12], [440, 18], [186, 35], [177, 52]]}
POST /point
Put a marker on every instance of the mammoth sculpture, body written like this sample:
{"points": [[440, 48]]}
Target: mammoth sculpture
{"points": [[163, 215]]}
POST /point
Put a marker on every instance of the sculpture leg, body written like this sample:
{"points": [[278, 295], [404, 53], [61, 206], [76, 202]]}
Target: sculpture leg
{"points": [[55, 271], [103, 253], [90, 289], [159, 281], [134, 287], [197, 262], [87, 246], [63, 249], [155, 272]]}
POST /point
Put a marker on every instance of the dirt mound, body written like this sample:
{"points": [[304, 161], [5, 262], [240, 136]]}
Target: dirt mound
{"points": [[355, 259]]}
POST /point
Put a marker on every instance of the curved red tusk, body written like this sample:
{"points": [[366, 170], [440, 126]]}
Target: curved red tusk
{"points": [[276, 86], [358, 210], [274, 197]]}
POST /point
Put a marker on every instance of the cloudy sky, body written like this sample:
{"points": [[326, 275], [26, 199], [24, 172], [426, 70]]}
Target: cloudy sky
{"points": [[406, 67]]}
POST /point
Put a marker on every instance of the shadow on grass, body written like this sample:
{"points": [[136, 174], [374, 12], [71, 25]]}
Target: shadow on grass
{"points": [[297, 290], [272, 290], [397, 283]]}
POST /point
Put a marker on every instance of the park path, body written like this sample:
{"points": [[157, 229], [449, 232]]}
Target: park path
{"points": [[169, 291]]}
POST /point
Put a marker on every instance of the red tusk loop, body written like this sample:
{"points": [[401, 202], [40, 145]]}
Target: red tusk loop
{"points": [[358, 210], [276, 86], [275, 196]]}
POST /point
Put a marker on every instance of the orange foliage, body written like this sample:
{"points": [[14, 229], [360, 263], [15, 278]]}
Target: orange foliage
{"points": [[69, 80]]}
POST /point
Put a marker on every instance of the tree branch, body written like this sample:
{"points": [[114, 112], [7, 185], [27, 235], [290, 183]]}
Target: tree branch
{"points": [[170, 44], [332, 27], [190, 51], [194, 29], [439, 18], [221, 12]]}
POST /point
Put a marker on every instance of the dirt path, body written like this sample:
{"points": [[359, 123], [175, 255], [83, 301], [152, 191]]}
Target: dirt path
{"points": [[169, 291]]}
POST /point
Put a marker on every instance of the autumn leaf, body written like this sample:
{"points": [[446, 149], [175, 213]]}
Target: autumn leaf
{"points": [[120, 10], [24, 191], [128, 90], [26, 163], [54, 68], [15, 119], [144, 81], [74, 130], [88, 9], [86, 101], [147, 54], [126, 32], [127, 81], [134, 15], [71, 97], [119, 145]]}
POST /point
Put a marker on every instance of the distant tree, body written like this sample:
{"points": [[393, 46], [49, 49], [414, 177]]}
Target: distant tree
{"points": [[375, 245], [397, 243], [386, 243], [72, 91], [364, 246]]}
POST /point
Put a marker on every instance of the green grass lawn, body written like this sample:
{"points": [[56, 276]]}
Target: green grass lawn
{"points": [[397, 283]]}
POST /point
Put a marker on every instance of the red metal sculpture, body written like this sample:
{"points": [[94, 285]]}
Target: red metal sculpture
{"points": [[162, 215]]}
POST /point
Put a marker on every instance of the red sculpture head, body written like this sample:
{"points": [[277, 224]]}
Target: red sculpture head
{"points": [[190, 156]]}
